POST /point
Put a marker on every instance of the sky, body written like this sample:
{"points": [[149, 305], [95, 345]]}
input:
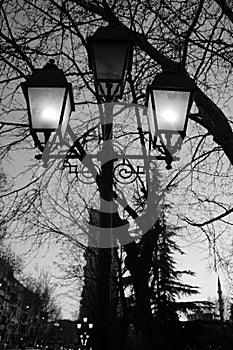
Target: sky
{"points": [[206, 278], [46, 259], [195, 259]]}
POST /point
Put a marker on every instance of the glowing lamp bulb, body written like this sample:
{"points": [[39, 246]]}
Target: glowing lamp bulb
{"points": [[169, 115], [49, 114]]}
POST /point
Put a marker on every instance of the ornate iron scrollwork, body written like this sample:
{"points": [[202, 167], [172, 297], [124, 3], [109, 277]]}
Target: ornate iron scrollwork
{"points": [[81, 172], [125, 173]]}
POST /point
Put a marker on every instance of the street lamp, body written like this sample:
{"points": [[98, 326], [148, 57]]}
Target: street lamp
{"points": [[168, 100], [84, 323], [49, 101], [110, 53], [85, 333]]}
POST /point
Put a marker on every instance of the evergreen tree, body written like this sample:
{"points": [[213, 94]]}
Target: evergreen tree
{"points": [[165, 279]]}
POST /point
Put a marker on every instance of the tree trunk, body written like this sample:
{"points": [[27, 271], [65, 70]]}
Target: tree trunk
{"points": [[103, 300], [143, 311]]}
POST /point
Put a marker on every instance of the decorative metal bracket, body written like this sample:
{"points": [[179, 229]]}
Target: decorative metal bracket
{"points": [[125, 173], [81, 172], [167, 151]]}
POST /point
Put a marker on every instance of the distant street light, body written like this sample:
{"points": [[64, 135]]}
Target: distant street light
{"points": [[85, 333], [49, 101]]}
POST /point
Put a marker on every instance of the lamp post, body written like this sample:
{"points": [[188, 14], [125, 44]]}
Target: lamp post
{"points": [[85, 334], [110, 59], [110, 52]]}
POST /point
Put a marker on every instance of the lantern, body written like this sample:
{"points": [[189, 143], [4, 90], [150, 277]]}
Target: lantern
{"points": [[169, 100], [110, 52], [49, 100]]}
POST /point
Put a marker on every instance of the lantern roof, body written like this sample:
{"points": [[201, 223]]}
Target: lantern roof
{"points": [[172, 80], [49, 75], [111, 32]]}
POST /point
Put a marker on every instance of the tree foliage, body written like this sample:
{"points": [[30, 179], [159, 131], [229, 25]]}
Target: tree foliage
{"points": [[43, 287], [166, 281], [10, 259]]}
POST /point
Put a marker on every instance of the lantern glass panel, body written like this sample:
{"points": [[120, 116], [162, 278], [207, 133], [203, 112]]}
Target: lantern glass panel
{"points": [[171, 109], [66, 116], [46, 106], [110, 60], [151, 117], [41, 137]]}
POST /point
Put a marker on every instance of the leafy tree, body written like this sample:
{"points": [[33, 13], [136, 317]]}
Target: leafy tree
{"points": [[10, 261], [45, 290]]}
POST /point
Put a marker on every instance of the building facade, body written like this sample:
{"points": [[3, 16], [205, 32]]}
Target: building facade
{"points": [[22, 320]]}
